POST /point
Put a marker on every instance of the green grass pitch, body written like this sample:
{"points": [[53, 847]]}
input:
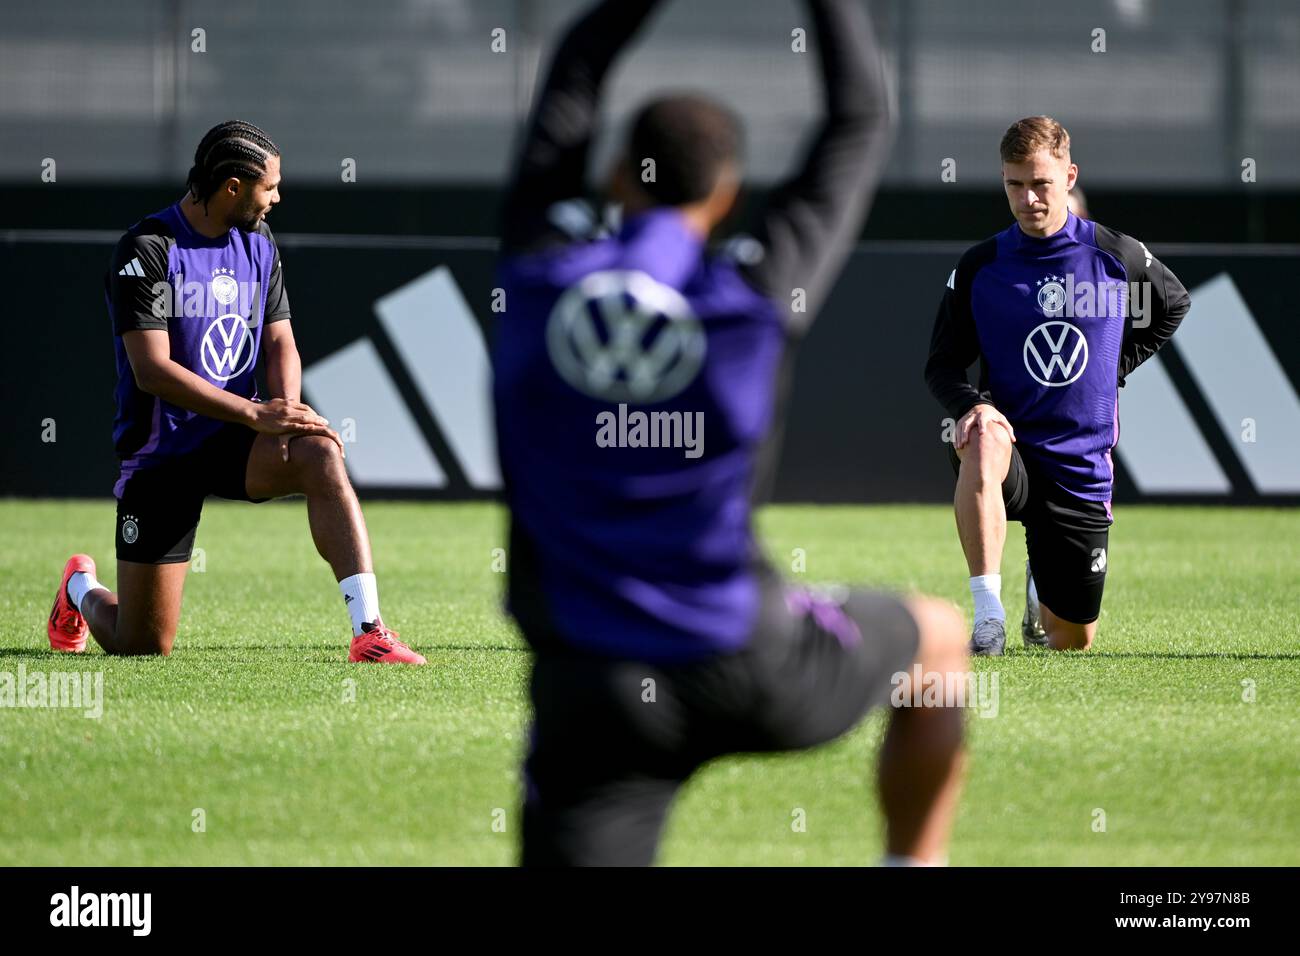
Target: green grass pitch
{"points": [[1182, 727]]}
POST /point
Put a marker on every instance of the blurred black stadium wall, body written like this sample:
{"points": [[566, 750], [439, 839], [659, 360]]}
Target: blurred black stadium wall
{"points": [[1185, 117], [1201, 422]]}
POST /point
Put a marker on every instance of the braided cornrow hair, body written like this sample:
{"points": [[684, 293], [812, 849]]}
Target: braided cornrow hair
{"points": [[233, 148]]}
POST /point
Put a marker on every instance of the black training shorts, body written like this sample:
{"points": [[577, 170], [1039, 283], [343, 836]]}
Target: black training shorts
{"points": [[612, 740], [158, 511]]}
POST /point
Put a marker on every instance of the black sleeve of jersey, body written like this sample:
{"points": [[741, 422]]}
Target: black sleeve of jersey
{"points": [[138, 290], [277, 299], [811, 221], [552, 162], [954, 344], [1144, 334]]}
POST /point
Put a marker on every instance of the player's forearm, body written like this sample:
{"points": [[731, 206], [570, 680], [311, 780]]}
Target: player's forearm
{"points": [[593, 42], [853, 146], [284, 373], [1144, 343], [852, 68], [553, 158], [952, 389], [954, 347], [177, 385], [1165, 301], [945, 368], [812, 221]]}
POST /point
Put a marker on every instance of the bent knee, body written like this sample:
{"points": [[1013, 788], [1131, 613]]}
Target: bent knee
{"points": [[314, 449], [993, 444], [989, 453], [314, 456]]}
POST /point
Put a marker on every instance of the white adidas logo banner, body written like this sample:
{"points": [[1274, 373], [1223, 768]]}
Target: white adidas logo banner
{"points": [[1163, 446], [132, 268], [441, 347], [1253, 402]]}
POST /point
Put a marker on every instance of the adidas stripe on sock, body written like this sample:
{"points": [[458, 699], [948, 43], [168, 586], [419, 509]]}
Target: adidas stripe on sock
{"points": [[361, 594]]}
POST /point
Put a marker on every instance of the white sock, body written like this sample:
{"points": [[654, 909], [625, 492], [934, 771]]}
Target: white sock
{"points": [[1033, 591], [986, 589], [891, 859], [80, 584], [361, 594]]}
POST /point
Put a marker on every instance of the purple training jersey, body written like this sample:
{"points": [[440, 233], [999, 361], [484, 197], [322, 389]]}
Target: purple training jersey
{"points": [[1057, 324], [634, 384], [212, 296]]}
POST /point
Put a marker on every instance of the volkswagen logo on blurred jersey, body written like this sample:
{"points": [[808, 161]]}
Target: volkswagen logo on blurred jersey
{"points": [[227, 347], [623, 337], [1056, 353]]}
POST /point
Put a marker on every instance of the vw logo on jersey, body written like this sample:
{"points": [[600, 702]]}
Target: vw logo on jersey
{"points": [[227, 347], [1056, 353], [623, 337], [1051, 295]]}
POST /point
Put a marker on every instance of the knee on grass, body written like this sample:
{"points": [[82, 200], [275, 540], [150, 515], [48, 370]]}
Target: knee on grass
{"points": [[1063, 635], [146, 645], [1070, 638]]}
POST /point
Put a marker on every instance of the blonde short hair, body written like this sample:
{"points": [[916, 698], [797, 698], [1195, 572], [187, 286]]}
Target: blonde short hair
{"points": [[1027, 136]]}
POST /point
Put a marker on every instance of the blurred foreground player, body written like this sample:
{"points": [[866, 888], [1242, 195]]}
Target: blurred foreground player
{"points": [[195, 292], [1058, 310], [638, 377]]}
